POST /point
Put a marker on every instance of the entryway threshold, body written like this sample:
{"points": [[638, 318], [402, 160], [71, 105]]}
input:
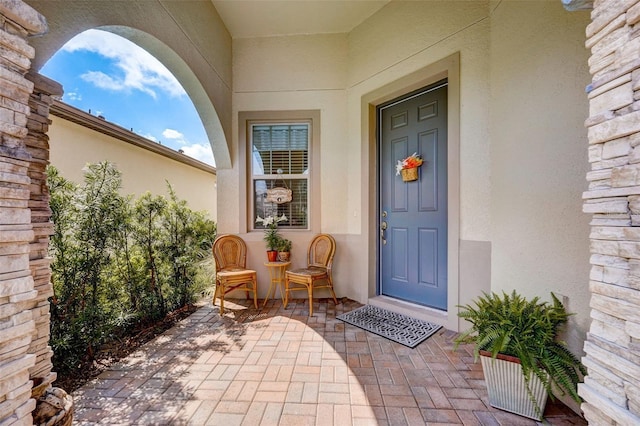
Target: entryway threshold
{"points": [[423, 313]]}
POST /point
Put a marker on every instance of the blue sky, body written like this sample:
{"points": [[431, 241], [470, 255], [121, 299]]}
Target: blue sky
{"points": [[117, 79]]}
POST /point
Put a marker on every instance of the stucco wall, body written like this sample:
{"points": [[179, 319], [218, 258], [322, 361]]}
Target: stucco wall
{"points": [[295, 73], [73, 146], [406, 36], [521, 141], [521, 161], [405, 39], [299, 73], [334, 73], [538, 156], [522, 158]]}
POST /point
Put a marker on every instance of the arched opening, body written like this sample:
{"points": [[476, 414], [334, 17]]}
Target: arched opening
{"points": [[197, 53], [186, 79], [189, 81], [116, 80]]}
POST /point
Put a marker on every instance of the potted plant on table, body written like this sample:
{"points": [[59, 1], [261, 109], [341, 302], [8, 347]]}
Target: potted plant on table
{"points": [[284, 250], [271, 237], [522, 360]]}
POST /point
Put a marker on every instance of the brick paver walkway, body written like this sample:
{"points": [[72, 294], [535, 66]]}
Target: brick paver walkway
{"points": [[277, 366]]}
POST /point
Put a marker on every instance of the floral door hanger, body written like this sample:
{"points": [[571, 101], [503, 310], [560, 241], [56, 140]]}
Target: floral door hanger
{"points": [[408, 167]]}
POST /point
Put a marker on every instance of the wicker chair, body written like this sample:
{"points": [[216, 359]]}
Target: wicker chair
{"points": [[230, 255], [319, 261]]}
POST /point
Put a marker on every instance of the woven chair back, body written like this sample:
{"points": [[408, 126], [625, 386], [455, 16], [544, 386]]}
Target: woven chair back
{"points": [[321, 251], [230, 252]]}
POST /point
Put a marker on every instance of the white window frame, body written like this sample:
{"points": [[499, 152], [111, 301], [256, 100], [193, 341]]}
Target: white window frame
{"points": [[247, 209], [284, 178]]}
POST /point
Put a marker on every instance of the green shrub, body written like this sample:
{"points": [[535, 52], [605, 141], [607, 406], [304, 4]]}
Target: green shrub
{"points": [[118, 263]]}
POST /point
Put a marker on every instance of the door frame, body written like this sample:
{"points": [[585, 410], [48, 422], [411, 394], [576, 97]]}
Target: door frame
{"points": [[379, 176], [448, 68]]}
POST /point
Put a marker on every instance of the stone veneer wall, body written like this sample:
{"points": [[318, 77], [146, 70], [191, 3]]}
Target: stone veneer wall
{"points": [[37, 145], [612, 388], [24, 318]]}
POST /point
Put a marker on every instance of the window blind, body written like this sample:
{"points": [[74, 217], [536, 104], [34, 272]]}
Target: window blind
{"points": [[282, 149], [281, 159]]}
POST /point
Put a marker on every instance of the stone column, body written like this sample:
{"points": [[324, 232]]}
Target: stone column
{"points": [[17, 292], [612, 388], [37, 145]]}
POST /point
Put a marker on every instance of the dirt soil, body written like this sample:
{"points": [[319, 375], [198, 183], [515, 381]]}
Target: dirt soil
{"points": [[115, 351]]}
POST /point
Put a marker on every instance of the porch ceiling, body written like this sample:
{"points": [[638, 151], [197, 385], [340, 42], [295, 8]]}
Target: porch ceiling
{"points": [[264, 18]]}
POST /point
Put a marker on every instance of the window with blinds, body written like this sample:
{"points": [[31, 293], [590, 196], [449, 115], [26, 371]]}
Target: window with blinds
{"points": [[280, 159]]}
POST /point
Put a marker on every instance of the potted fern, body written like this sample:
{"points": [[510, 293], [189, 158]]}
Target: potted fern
{"points": [[522, 359]]}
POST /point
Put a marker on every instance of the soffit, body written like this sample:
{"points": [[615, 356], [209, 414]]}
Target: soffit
{"points": [[267, 18]]}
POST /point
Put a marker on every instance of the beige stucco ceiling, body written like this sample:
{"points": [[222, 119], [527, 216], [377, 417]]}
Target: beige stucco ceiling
{"points": [[264, 18]]}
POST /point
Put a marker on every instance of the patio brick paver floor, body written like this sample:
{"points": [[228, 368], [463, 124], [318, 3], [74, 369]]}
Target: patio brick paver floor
{"points": [[277, 366]]}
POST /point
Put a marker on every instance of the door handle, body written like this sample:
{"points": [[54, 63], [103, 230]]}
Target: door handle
{"points": [[383, 226]]}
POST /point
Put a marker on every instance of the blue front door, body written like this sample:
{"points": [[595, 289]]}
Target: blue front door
{"points": [[413, 215]]}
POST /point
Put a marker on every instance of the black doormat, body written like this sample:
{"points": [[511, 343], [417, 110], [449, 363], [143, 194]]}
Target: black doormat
{"points": [[397, 327]]}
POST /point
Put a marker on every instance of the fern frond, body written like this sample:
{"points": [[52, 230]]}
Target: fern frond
{"points": [[527, 329]]}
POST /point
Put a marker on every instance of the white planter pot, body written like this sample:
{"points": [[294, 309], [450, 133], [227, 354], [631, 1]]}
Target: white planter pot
{"points": [[508, 390]]}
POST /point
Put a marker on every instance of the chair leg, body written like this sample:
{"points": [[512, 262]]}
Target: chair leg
{"points": [[286, 292], [221, 297], [310, 290], [255, 291]]}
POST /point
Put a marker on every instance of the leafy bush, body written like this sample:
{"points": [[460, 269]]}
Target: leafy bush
{"points": [[118, 263]]}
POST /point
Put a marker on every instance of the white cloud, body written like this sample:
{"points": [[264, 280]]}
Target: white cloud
{"points": [[72, 96], [141, 70], [174, 135], [200, 152], [104, 81]]}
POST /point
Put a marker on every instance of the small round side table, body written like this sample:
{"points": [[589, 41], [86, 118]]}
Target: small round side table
{"points": [[276, 274]]}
